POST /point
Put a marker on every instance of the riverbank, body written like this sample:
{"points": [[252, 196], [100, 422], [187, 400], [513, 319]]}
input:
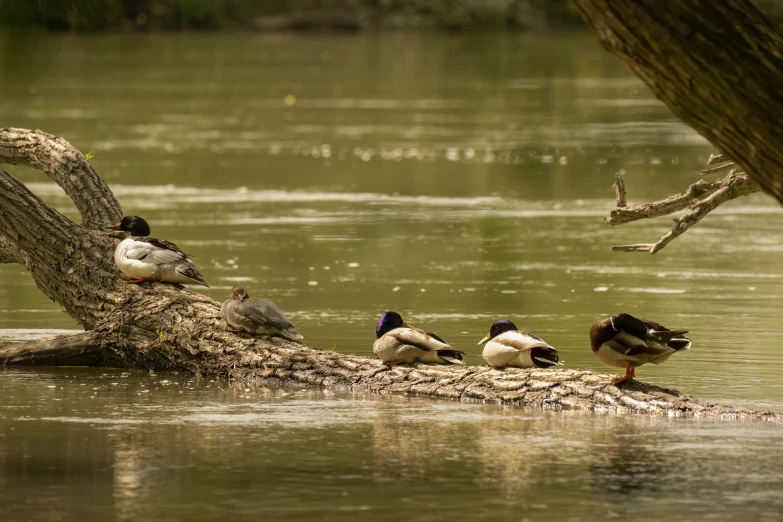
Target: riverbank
{"points": [[281, 15]]}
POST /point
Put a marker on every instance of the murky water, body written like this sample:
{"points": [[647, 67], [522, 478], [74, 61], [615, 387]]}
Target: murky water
{"points": [[457, 179]]}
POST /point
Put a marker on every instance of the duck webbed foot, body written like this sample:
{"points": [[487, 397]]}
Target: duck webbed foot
{"points": [[142, 280], [630, 373]]}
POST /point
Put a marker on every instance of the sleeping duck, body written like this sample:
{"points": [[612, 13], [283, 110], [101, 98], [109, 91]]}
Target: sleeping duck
{"points": [[627, 342], [399, 343], [507, 346], [256, 315], [143, 258]]}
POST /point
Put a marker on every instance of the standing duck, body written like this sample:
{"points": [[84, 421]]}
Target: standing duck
{"points": [[144, 258], [256, 315], [399, 343], [627, 342], [507, 346]]}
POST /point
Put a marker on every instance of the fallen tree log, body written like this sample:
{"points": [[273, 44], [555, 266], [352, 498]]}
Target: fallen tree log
{"points": [[165, 327], [278, 363]]}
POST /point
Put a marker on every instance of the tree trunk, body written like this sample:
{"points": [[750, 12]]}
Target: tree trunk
{"points": [[167, 327], [718, 65]]}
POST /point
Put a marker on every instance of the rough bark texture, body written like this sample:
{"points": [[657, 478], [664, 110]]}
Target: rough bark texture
{"points": [[66, 350], [167, 327], [718, 65]]}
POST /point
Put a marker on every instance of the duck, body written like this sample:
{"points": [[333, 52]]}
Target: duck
{"points": [[624, 341], [505, 345], [399, 343], [256, 315], [143, 258]]}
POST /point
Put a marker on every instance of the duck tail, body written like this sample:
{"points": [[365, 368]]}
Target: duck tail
{"points": [[292, 334], [679, 343], [451, 356], [545, 356], [191, 272]]}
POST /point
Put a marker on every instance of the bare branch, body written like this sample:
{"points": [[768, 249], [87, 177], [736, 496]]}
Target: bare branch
{"points": [[67, 167], [717, 169], [622, 215], [734, 185], [619, 191], [715, 158]]}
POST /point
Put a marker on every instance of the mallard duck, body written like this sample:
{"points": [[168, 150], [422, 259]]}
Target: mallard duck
{"points": [[627, 342], [505, 345], [144, 258], [256, 315], [400, 343]]}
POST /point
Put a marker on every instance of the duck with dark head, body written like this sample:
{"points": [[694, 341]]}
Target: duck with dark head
{"points": [[143, 258], [627, 342], [396, 342], [505, 345]]}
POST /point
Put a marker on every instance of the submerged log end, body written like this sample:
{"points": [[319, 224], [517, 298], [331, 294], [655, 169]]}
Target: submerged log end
{"points": [[66, 350]]}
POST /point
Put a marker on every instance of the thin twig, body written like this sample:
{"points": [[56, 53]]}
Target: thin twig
{"points": [[719, 168], [716, 158], [619, 191]]}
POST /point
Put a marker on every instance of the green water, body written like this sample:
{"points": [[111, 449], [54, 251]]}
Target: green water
{"points": [[456, 179]]}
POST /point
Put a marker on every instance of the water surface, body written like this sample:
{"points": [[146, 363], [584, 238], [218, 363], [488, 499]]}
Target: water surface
{"points": [[457, 179]]}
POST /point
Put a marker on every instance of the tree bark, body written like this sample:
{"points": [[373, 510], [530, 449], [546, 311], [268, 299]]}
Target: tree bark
{"points": [[167, 327], [718, 65], [67, 350]]}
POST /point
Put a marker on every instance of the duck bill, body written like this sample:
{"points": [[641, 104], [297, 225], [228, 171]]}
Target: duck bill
{"points": [[115, 227], [484, 340], [406, 325]]}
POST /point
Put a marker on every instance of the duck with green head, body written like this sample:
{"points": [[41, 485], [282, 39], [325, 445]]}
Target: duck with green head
{"points": [[505, 346], [399, 343], [627, 342]]}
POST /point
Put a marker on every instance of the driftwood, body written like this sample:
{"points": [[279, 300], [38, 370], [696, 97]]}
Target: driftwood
{"points": [[701, 197], [166, 327]]}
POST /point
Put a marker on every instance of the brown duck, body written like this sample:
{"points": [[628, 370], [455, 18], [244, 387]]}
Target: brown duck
{"points": [[627, 342]]}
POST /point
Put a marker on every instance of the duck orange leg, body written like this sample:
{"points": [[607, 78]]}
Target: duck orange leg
{"points": [[141, 280], [630, 372]]}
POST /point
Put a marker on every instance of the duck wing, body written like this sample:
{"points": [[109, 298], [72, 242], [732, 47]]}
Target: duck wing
{"points": [[672, 338], [155, 251], [265, 313], [420, 339], [631, 325], [427, 342], [520, 341]]}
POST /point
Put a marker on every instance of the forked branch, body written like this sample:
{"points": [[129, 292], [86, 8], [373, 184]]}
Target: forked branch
{"points": [[701, 197], [67, 167]]}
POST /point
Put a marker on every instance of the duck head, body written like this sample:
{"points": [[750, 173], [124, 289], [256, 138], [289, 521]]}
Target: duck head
{"points": [[497, 328], [135, 225], [238, 292], [388, 322]]}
